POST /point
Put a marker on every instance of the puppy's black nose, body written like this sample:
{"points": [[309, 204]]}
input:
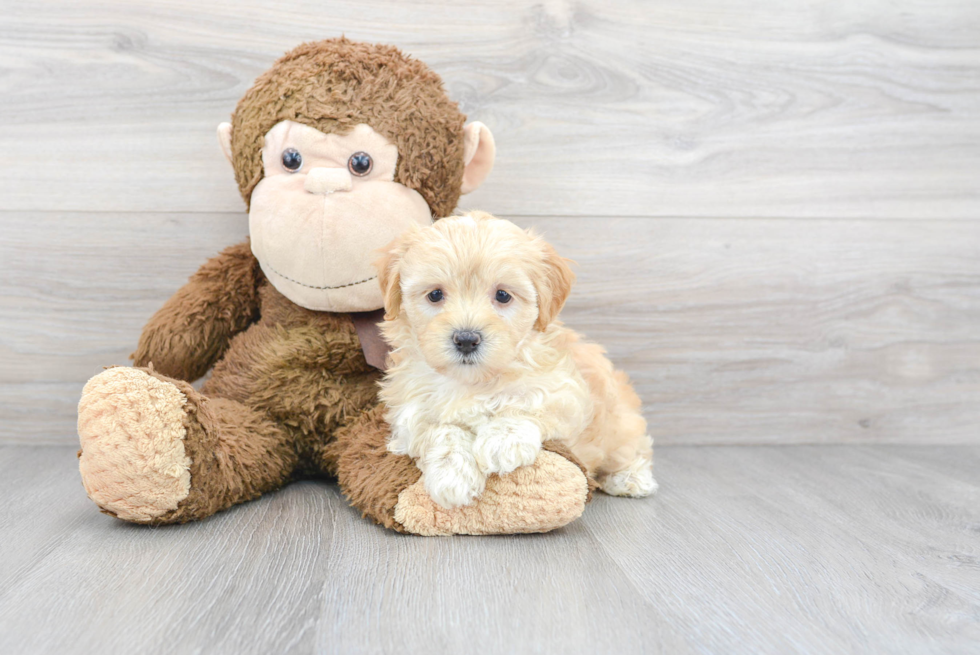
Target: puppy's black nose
{"points": [[466, 340]]}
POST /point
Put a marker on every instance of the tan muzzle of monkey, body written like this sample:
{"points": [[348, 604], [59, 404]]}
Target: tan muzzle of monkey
{"points": [[327, 180]]}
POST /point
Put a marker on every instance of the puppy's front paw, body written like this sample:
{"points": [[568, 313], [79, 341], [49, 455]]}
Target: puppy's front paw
{"points": [[504, 445], [454, 479]]}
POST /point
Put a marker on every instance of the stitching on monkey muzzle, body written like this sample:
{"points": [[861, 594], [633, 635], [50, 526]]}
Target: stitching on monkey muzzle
{"points": [[310, 286]]}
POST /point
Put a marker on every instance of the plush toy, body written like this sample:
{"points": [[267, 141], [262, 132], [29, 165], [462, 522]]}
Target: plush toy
{"points": [[336, 149]]}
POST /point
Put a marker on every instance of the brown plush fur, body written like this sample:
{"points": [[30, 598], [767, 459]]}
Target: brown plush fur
{"points": [[282, 389], [236, 454], [336, 84], [220, 300], [369, 475]]}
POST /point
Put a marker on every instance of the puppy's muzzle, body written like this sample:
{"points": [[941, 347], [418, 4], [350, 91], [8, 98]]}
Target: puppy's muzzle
{"points": [[467, 341]]}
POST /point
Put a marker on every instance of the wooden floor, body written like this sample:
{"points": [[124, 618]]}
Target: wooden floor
{"points": [[792, 549]]}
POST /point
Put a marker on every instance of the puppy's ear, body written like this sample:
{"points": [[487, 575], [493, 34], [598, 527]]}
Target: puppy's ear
{"points": [[389, 274], [554, 287]]}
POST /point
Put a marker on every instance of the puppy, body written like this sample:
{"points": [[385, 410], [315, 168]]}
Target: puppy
{"points": [[482, 372]]}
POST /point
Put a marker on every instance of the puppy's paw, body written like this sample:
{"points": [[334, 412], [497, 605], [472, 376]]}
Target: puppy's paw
{"points": [[635, 480], [453, 479], [504, 445]]}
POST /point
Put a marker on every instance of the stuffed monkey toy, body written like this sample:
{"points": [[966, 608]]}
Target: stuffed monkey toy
{"points": [[336, 149]]}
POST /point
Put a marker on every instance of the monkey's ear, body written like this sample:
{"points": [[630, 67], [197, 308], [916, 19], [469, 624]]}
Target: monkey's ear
{"points": [[224, 138], [479, 152], [553, 288]]}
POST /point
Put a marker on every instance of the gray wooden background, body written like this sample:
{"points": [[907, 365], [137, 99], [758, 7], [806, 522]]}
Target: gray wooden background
{"points": [[775, 205]]}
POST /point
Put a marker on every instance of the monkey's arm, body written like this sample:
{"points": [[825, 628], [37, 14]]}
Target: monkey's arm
{"points": [[193, 329]]}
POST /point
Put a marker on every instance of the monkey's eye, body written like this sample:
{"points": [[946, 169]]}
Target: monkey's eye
{"points": [[292, 161], [435, 296], [502, 297], [360, 164]]}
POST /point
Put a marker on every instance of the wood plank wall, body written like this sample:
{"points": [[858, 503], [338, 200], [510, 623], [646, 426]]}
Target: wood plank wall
{"points": [[774, 205]]}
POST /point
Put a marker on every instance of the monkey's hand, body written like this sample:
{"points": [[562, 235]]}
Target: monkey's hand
{"points": [[543, 496]]}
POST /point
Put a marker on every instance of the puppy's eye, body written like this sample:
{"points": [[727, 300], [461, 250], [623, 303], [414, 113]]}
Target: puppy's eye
{"points": [[292, 161], [503, 297], [435, 296], [360, 164]]}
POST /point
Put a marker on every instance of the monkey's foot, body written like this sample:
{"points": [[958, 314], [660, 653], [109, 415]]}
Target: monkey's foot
{"points": [[544, 496], [132, 427]]}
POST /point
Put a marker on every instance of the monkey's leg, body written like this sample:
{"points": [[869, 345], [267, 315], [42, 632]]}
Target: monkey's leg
{"points": [[154, 450], [388, 488]]}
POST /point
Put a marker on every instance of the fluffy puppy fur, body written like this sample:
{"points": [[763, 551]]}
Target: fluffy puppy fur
{"points": [[465, 410]]}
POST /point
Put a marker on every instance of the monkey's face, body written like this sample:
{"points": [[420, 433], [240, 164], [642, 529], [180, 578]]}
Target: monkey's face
{"points": [[325, 204]]}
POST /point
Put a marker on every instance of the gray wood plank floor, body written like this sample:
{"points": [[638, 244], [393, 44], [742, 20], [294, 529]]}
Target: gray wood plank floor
{"points": [[794, 549]]}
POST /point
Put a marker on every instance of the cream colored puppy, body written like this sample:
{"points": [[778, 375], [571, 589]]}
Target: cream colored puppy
{"points": [[482, 372]]}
